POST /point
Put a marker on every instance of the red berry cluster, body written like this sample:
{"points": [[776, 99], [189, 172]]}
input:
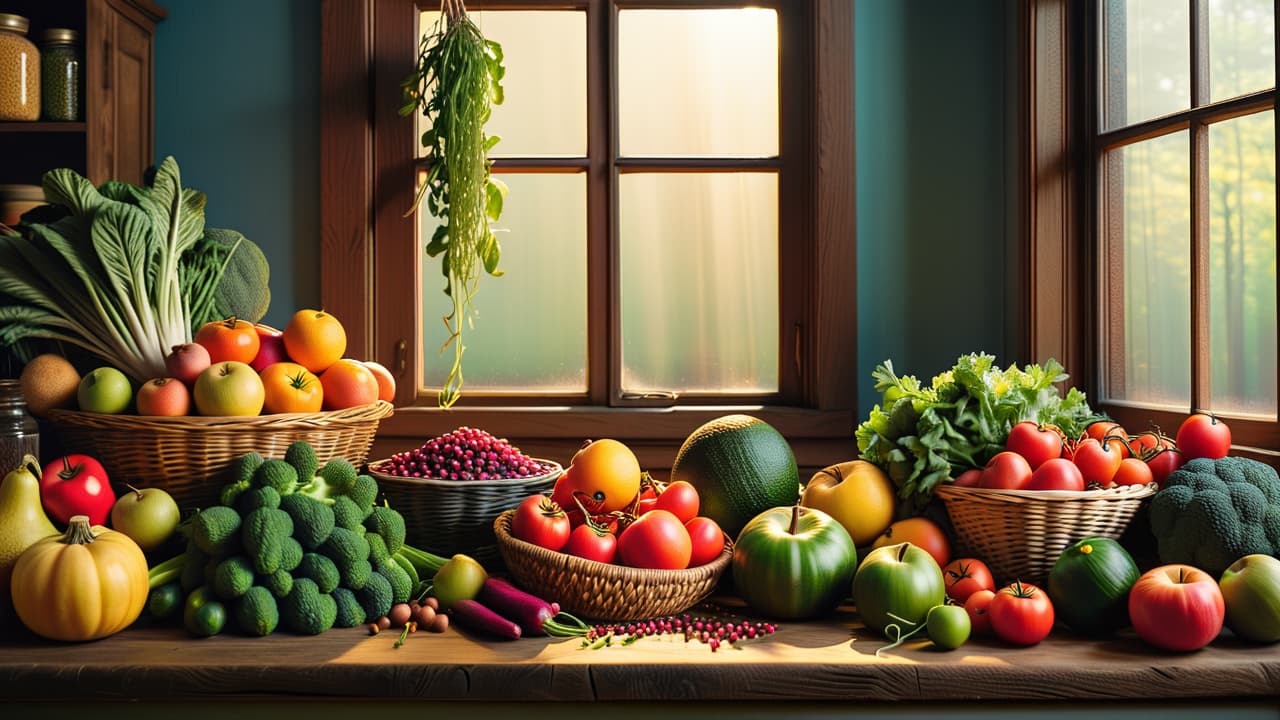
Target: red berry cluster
{"points": [[709, 631], [464, 454]]}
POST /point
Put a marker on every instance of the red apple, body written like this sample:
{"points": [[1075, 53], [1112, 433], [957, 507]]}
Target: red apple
{"points": [[186, 362], [1177, 607], [164, 397], [76, 485], [270, 347]]}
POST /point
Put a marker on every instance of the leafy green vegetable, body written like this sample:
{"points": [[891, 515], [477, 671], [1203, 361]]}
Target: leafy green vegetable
{"points": [[457, 80], [923, 436]]}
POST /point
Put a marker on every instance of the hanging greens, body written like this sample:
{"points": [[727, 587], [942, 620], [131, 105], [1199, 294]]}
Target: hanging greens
{"points": [[457, 80]]}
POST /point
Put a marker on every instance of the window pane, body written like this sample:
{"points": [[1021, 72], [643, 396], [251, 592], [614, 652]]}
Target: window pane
{"points": [[1242, 265], [1146, 47], [1241, 47], [1147, 272], [544, 111], [699, 275], [712, 90], [530, 330]]}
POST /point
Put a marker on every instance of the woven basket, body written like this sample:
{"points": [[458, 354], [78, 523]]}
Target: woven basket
{"points": [[456, 516], [606, 592], [190, 456], [1021, 533]]}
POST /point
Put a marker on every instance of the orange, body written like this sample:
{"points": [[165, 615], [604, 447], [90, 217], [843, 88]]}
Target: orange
{"points": [[314, 339], [386, 381], [291, 388], [604, 474], [348, 383], [229, 339], [921, 532]]}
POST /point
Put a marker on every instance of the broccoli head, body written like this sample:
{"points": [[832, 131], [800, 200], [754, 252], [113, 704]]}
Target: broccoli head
{"points": [[256, 612], [375, 596], [291, 554], [379, 555], [389, 524], [276, 474], [232, 577], [346, 514], [279, 582], [263, 535], [241, 477], [335, 479], [306, 610], [216, 530], [350, 612], [312, 519], [1211, 513], [350, 553], [303, 459], [401, 585], [254, 498], [320, 570], [364, 493]]}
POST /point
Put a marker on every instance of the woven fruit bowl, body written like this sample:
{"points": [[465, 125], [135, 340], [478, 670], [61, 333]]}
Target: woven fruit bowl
{"points": [[605, 592], [1021, 533], [190, 456], [456, 516]]}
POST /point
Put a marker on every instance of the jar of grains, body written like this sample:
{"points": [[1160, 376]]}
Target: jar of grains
{"points": [[19, 71], [19, 433], [60, 75]]}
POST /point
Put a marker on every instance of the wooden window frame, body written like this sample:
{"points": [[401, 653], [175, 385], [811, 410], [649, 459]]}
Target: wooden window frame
{"points": [[365, 242], [1059, 211]]}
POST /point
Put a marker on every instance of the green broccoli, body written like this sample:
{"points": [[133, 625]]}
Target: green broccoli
{"points": [[312, 519], [276, 474], [401, 585], [232, 577], [335, 479], [320, 570], [263, 535], [291, 554], [1211, 513], [303, 459], [307, 611], [254, 498], [364, 493], [193, 564], [279, 582], [346, 514], [379, 555], [256, 612], [350, 612], [389, 524], [216, 531], [375, 596], [242, 477], [350, 553]]}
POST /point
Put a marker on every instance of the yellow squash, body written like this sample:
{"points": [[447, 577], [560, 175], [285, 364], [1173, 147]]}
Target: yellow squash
{"points": [[84, 585]]}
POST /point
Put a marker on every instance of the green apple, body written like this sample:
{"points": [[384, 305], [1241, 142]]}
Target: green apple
{"points": [[458, 579], [148, 516], [105, 390], [948, 626], [1251, 592], [857, 494], [229, 388], [793, 562], [897, 584]]}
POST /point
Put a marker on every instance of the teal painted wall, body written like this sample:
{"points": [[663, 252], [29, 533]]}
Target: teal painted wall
{"points": [[237, 86], [931, 179]]}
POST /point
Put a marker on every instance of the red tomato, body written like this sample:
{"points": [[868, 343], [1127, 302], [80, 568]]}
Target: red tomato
{"points": [[1146, 442], [968, 478], [1021, 614], [1177, 607], [539, 520], [1204, 436], [977, 606], [1097, 462], [229, 339], [965, 576], [1163, 462], [680, 499], [593, 542], [1006, 471], [76, 485], [707, 539], [1056, 474], [657, 541], [1133, 471], [1034, 442]]}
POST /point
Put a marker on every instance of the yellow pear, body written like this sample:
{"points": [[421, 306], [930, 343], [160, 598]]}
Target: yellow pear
{"points": [[22, 518]]}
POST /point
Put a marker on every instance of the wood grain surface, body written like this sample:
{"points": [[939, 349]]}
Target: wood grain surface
{"points": [[831, 660]]}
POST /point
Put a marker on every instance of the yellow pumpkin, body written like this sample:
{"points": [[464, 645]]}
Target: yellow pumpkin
{"points": [[87, 584]]}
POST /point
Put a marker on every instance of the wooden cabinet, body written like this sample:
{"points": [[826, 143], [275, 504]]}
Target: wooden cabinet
{"points": [[115, 140]]}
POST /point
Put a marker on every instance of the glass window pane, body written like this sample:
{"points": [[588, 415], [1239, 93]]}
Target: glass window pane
{"points": [[530, 329], [1241, 47], [699, 282], [544, 109], [1242, 265], [1146, 46], [1147, 273], [711, 91]]}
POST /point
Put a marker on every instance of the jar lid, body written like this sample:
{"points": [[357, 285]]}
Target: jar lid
{"points": [[21, 193], [60, 35], [14, 22]]}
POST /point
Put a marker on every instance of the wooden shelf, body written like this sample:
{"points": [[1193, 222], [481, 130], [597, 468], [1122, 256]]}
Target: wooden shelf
{"points": [[43, 126]]}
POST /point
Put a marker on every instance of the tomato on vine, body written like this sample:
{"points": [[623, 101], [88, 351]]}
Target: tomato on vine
{"points": [[541, 521], [1021, 614], [680, 499], [592, 541], [1204, 436], [965, 576]]}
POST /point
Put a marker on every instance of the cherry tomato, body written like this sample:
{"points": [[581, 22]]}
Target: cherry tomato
{"points": [[965, 576], [1163, 462], [647, 499], [1204, 436], [1034, 442], [1021, 614], [680, 499], [657, 541], [707, 539], [592, 541], [968, 478], [977, 606], [1057, 474], [1006, 471], [1147, 442], [1133, 471], [1098, 463], [541, 521]]}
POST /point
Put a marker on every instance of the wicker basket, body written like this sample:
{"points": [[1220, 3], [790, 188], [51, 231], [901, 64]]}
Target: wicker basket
{"points": [[456, 516], [1021, 533], [189, 456], [607, 592]]}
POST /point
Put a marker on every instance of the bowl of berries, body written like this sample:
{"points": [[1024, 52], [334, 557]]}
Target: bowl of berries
{"points": [[452, 487]]}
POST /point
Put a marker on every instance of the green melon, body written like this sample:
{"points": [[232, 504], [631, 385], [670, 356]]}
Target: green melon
{"points": [[1089, 586], [741, 467]]}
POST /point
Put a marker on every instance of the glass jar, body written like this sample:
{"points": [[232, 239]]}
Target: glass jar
{"points": [[19, 71], [19, 434], [60, 75]]}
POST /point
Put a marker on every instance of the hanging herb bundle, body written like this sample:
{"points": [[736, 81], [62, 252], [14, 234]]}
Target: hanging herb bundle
{"points": [[457, 80]]}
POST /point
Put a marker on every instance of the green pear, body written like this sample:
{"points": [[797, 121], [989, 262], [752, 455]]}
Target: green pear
{"points": [[22, 518]]}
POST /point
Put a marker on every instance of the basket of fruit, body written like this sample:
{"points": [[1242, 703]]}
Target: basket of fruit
{"points": [[453, 486], [603, 590]]}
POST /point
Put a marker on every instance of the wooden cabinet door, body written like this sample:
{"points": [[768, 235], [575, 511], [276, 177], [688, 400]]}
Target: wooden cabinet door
{"points": [[118, 90]]}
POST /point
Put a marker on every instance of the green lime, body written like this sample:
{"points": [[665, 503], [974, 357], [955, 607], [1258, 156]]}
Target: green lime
{"points": [[208, 619], [165, 600]]}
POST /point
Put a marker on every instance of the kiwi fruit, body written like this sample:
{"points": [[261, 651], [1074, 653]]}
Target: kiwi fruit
{"points": [[48, 382]]}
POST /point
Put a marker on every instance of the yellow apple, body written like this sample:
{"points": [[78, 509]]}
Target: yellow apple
{"points": [[857, 494]]}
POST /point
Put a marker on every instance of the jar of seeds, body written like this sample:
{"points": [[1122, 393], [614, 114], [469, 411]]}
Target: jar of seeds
{"points": [[19, 433], [60, 75], [19, 70]]}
